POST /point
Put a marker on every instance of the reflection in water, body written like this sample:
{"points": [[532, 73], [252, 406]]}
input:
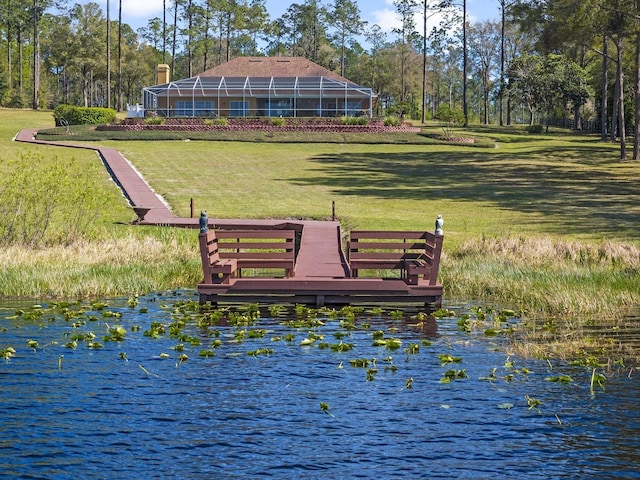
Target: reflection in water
{"points": [[133, 409]]}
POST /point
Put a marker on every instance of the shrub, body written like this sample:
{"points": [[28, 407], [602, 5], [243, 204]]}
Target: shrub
{"points": [[351, 120], [392, 121], [223, 122], [534, 129], [277, 121], [47, 201], [154, 121], [449, 118], [72, 115]]}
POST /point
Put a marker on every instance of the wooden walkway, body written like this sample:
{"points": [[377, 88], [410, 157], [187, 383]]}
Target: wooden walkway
{"points": [[322, 274]]}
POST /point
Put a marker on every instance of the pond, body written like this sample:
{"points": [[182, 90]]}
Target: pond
{"points": [[148, 388]]}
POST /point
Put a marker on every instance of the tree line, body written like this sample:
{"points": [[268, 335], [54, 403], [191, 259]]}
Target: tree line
{"points": [[542, 59]]}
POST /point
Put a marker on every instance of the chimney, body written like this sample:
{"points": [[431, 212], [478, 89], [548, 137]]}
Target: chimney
{"points": [[164, 74]]}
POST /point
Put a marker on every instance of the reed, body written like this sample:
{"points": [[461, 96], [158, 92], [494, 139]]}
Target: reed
{"points": [[542, 276], [136, 263]]}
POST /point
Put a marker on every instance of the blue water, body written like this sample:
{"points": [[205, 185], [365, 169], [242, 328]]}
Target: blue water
{"points": [[123, 411]]}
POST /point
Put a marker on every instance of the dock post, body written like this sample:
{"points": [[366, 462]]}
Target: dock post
{"points": [[439, 223], [204, 222]]}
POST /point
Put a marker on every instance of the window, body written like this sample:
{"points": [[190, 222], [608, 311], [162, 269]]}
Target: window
{"points": [[279, 108], [328, 108], [238, 108], [185, 108], [353, 108]]}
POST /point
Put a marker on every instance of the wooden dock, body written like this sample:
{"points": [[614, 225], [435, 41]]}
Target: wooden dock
{"points": [[322, 272]]}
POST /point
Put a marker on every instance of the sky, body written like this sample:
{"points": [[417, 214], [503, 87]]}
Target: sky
{"points": [[382, 12]]}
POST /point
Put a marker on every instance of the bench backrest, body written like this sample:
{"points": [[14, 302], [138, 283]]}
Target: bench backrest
{"points": [[249, 247], [392, 248]]}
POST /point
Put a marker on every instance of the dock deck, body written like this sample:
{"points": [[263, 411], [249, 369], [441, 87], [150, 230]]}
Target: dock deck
{"points": [[322, 273]]}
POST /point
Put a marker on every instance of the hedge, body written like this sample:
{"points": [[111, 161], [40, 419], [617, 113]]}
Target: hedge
{"points": [[72, 115]]}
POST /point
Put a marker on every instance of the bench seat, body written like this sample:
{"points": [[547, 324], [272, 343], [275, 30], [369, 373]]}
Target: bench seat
{"points": [[225, 253], [415, 254]]}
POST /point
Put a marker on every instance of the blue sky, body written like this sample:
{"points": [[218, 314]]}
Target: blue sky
{"points": [[136, 13]]}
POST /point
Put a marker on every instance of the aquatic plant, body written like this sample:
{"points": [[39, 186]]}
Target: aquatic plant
{"points": [[116, 333], [452, 374], [359, 362], [7, 353], [412, 349], [443, 313], [260, 351], [492, 377], [324, 407], [446, 358], [597, 379], [341, 347], [533, 403], [277, 310], [559, 379], [155, 330]]}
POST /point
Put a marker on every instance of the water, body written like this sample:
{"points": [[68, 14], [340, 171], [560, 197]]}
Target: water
{"points": [[94, 414]]}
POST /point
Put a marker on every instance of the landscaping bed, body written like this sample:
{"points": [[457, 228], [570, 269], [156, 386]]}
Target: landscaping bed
{"points": [[272, 124]]}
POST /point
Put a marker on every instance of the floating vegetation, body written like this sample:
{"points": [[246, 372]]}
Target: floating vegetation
{"points": [[446, 358], [533, 403], [559, 379], [260, 351], [115, 334], [324, 407], [597, 379], [412, 349], [360, 362], [443, 313], [341, 347], [452, 374], [7, 353]]}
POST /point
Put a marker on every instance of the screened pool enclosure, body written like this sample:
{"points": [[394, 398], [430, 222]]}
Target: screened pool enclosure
{"points": [[249, 96]]}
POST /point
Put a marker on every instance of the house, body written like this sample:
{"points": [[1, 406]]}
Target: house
{"points": [[259, 87]]}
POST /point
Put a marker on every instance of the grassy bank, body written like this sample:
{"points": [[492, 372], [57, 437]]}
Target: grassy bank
{"points": [[545, 224]]}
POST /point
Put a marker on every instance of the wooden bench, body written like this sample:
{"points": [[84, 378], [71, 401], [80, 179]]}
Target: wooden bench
{"points": [[415, 254], [225, 253]]}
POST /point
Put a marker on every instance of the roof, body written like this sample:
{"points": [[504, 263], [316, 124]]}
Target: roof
{"points": [[272, 67]]}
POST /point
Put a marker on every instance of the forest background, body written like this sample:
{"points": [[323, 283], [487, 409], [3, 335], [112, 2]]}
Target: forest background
{"points": [[554, 61]]}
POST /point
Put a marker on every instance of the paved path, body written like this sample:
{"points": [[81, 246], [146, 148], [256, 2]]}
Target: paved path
{"points": [[320, 254]]}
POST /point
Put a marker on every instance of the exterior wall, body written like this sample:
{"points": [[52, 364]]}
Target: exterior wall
{"points": [[280, 106]]}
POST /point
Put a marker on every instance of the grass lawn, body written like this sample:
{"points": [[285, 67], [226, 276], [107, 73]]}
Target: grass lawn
{"points": [[559, 185]]}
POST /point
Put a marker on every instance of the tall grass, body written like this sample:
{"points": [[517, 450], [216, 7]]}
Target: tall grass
{"points": [[542, 276], [138, 262]]}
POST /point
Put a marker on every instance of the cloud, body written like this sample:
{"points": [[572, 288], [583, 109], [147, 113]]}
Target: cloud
{"points": [[136, 9], [386, 18]]}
